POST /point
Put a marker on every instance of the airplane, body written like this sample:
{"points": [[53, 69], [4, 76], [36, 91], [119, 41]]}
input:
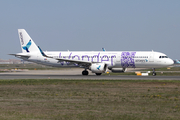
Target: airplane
{"points": [[96, 61], [177, 62]]}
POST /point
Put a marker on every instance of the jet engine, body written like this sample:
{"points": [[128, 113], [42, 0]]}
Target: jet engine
{"points": [[98, 67], [118, 70]]}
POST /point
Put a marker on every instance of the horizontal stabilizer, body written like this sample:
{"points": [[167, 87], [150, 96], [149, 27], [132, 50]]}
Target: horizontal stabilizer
{"points": [[20, 55]]}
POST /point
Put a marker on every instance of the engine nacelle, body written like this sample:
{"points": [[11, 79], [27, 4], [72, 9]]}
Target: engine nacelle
{"points": [[118, 70], [98, 67]]}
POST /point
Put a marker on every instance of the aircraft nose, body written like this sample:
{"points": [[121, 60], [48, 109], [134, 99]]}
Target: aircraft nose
{"points": [[170, 62]]}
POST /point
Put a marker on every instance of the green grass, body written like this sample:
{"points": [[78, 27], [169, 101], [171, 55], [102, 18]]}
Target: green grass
{"points": [[89, 99]]}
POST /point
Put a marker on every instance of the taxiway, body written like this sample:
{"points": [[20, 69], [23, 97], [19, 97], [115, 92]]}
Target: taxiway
{"points": [[75, 74]]}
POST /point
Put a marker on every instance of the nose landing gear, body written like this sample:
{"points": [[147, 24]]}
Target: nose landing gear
{"points": [[154, 73]]}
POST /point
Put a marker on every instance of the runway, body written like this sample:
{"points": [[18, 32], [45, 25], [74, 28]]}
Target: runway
{"points": [[56, 74]]}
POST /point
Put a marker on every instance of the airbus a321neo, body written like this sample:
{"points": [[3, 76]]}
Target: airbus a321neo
{"points": [[96, 61]]}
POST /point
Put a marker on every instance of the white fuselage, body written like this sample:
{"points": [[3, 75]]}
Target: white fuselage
{"points": [[113, 59]]}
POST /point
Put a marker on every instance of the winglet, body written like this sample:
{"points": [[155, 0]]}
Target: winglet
{"points": [[103, 49], [42, 53]]}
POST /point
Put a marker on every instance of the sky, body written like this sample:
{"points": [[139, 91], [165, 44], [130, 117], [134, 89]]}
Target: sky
{"points": [[89, 25]]}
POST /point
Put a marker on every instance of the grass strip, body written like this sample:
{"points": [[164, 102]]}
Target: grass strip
{"points": [[89, 99]]}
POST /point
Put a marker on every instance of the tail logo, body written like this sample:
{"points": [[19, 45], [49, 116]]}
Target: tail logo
{"points": [[27, 46]]}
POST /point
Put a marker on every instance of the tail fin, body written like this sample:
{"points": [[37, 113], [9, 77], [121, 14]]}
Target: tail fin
{"points": [[27, 44], [103, 49]]}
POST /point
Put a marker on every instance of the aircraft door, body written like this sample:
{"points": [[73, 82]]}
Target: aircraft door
{"points": [[118, 58], [151, 57]]}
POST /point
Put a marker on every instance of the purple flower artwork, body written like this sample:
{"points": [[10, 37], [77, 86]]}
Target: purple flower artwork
{"points": [[127, 59]]}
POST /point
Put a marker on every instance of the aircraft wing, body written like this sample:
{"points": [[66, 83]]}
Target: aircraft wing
{"points": [[79, 62]]}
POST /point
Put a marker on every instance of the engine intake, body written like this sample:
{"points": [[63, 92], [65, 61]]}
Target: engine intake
{"points": [[98, 67]]}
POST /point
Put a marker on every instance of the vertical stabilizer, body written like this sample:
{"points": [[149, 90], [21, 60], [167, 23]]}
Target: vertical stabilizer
{"points": [[27, 44]]}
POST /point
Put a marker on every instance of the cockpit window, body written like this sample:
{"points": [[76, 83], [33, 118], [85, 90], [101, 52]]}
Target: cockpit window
{"points": [[163, 56]]}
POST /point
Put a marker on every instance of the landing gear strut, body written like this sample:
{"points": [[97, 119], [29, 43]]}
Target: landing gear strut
{"points": [[154, 73], [85, 72]]}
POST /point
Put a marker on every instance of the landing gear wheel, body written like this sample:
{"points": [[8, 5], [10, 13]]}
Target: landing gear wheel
{"points": [[98, 74], [85, 72], [154, 74]]}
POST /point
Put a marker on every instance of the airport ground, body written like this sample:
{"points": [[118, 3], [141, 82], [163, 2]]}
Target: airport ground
{"points": [[75, 73], [35, 71], [50, 94]]}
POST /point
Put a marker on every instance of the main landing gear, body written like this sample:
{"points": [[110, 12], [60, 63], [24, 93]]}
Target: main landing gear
{"points": [[98, 74], [85, 72], [154, 73]]}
